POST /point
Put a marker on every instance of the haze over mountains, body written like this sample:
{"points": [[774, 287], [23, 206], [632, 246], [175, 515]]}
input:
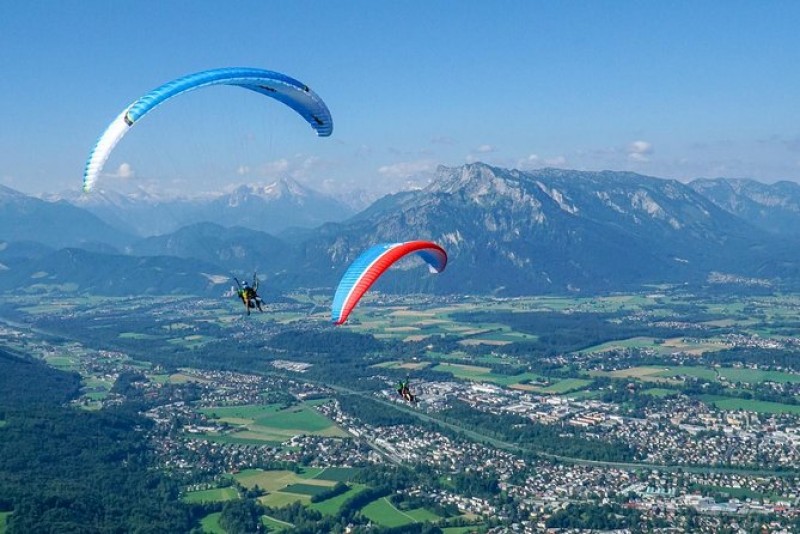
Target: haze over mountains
{"points": [[507, 232], [272, 207]]}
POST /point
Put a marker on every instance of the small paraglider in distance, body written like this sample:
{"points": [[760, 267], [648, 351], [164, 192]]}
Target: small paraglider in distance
{"points": [[275, 85], [405, 392], [249, 294], [371, 264]]}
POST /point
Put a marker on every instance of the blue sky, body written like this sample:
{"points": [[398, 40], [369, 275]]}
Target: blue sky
{"points": [[671, 89]]}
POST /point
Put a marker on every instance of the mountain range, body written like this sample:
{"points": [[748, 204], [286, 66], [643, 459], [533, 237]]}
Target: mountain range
{"points": [[272, 207], [772, 207], [507, 232]]}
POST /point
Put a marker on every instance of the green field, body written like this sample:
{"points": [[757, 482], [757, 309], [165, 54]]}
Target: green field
{"points": [[566, 385], [659, 392], [306, 489], [654, 373], [210, 524], [212, 495], [520, 381], [482, 374], [66, 363], [240, 413], [138, 335], [275, 525], [182, 378], [461, 530], [278, 480], [270, 424], [331, 506], [190, 342], [718, 374], [4, 521], [412, 366], [756, 376], [338, 474], [703, 373], [301, 418], [278, 499], [666, 347], [384, 513], [422, 515], [732, 404]]}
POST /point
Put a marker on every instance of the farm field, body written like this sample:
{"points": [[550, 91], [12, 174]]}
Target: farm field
{"points": [[719, 374], [337, 474], [280, 479], [565, 386], [212, 495], [138, 335], [384, 513], [659, 392], [210, 524], [331, 506], [240, 414], [413, 366], [691, 347], [190, 342], [285, 487], [733, 404], [279, 499], [270, 423], [667, 347], [65, 363], [306, 489], [275, 525], [756, 376], [482, 374], [182, 378]]}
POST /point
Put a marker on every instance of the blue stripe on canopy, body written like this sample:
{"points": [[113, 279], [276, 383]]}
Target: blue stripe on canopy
{"points": [[279, 86]]}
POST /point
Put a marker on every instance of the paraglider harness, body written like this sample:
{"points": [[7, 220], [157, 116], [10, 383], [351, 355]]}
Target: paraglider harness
{"points": [[249, 294], [403, 391]]}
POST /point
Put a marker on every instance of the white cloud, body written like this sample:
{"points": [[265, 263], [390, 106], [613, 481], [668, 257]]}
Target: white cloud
{"points": [[479, 153], [640, 151], [309, 170], [531, 162], [308, 163], [406, 169], [123, 172], [273, 168]]}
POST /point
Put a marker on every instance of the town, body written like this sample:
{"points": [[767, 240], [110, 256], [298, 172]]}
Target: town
{"points": [[689, 463]]}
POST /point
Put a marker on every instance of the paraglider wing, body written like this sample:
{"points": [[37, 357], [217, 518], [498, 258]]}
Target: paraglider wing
{"points": [[282, 88], [368, 267]]}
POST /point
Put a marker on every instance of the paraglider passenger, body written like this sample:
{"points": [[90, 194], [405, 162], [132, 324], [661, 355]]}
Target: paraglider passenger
{"points": [[405, 392], [249, 294]]}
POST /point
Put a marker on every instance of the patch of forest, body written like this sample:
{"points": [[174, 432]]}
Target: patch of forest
{"points": [[66, 470]]}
